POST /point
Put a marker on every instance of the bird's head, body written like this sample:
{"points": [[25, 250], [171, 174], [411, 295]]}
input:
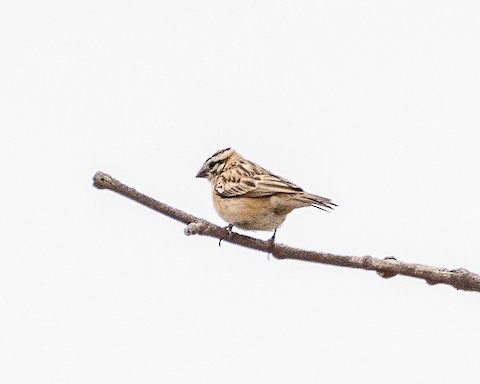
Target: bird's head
{"points": [[216, 164]]}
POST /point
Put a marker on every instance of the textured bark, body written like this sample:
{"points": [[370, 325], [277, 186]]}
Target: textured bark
{"points": [[458, 278]]}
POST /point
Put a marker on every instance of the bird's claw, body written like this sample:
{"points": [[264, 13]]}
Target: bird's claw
{"points": [[229, 228]]}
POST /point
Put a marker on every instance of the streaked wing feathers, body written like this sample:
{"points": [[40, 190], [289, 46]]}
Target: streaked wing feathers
{"points": [[232, 184]]}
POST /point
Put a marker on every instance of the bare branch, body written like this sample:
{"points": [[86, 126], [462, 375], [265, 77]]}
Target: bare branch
{"points": [[388, 267]]}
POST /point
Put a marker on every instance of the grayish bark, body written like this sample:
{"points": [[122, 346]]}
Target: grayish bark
{"points": [[458, 278]]}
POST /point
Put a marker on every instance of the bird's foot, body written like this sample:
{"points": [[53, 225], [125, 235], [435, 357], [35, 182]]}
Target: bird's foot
{"points": [[229, 229]]}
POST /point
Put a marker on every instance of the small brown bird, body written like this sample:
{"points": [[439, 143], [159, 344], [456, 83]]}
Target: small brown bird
{"points": [[248, 196]]}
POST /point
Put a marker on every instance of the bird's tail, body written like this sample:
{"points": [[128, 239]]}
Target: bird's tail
{"points": [[316, 201]]}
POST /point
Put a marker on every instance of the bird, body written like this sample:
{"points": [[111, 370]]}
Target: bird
{"points": [[248, 196]]}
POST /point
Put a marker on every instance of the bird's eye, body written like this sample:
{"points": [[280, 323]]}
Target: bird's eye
{"points": [[210, 165]]}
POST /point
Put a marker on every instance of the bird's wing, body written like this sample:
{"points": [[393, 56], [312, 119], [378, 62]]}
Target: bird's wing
{"points": [[233, 183]]}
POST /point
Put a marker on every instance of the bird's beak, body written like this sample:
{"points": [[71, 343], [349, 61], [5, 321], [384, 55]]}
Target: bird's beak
{"points": [[201, 173]]}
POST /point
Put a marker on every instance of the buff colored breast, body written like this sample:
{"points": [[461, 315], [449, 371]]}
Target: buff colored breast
{"points": [[261, 213]]}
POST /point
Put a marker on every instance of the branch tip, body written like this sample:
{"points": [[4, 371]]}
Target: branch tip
{"points": [[101, 180]]}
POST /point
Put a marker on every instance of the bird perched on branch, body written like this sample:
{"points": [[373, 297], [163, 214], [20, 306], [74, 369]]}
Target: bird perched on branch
{"points": [[248, 196]]}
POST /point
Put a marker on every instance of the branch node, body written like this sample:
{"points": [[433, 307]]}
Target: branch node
{"points": [[460, 271], [195, 228], [367, 262], [387, 275]]}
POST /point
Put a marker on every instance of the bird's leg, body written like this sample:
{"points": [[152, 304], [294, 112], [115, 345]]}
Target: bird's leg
{"points": [[272, 243], [272, 239], [229, 229]]}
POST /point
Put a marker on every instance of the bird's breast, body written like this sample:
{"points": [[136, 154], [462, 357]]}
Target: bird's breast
{"points": [[249, 213]]}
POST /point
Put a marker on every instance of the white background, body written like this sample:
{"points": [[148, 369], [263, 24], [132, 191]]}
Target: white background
{"points": [[374, 104]]}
